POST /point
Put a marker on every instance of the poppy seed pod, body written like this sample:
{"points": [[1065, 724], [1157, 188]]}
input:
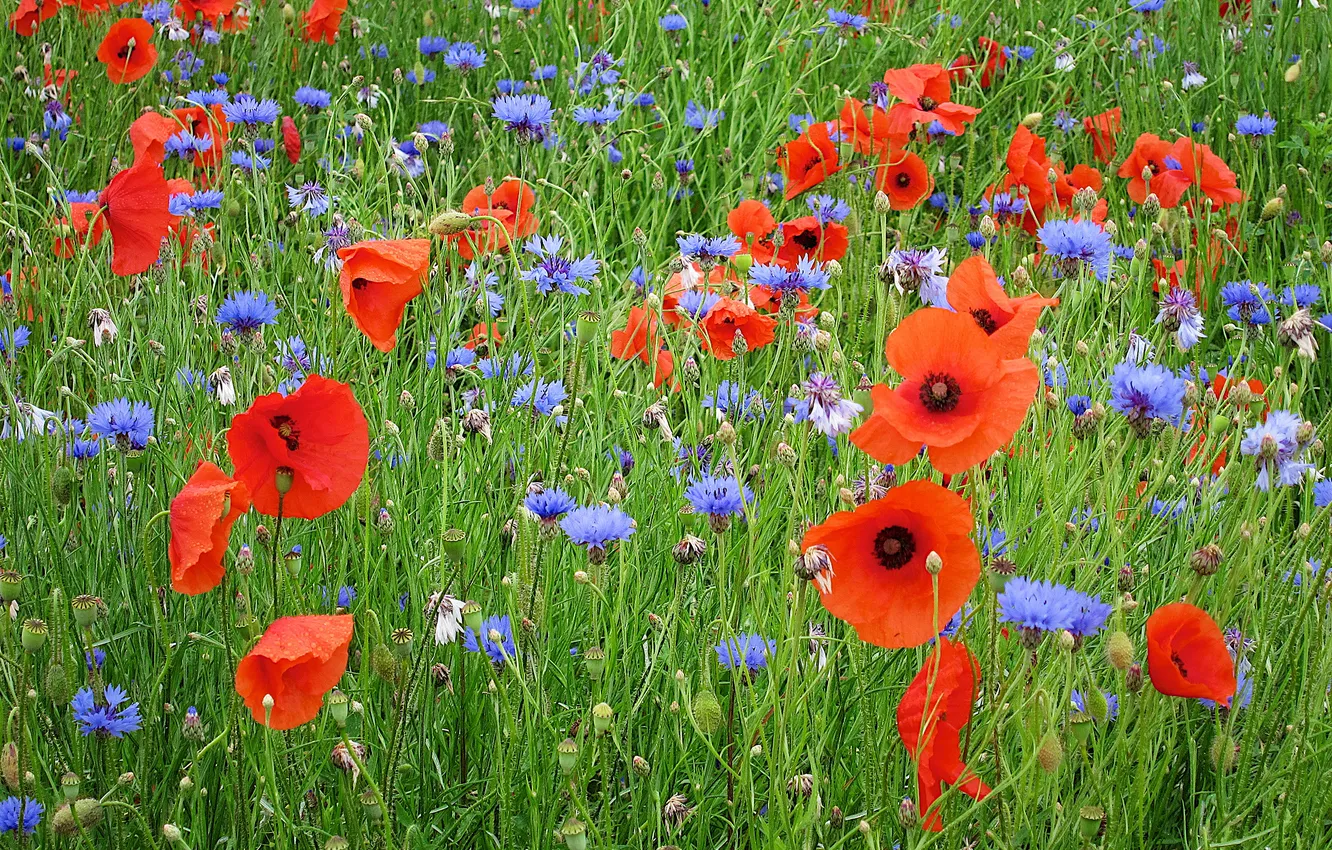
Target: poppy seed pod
{"points": [[602, 716], [567, 753]]}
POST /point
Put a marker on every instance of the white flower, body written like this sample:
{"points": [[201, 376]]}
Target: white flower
{"points": [[103, 327], [449, 617], [224, 389]]}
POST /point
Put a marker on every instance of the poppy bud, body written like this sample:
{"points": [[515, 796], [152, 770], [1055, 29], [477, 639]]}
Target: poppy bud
{"points": [[85, 816], [1292, 74], [62, 486], [1051, 752], [288, 13], [1133, 677], [602, 715], [641, 766], [567, 752], [449, 223], [1119, 651], [171, 834], [1272, 209], [707, 711]]}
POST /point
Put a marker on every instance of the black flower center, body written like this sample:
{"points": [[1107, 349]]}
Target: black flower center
{"points": [[360, 283], [985, 320], [806, 239], [940, 393], [903, 179], [286, 429], [894, 547], [1179, 664], [926, 103]]}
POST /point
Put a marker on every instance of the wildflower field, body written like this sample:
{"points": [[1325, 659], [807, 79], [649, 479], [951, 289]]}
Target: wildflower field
{"points": [[532, 423]]}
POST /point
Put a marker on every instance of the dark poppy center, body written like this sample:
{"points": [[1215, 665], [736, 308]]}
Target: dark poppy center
{"points": [[985, 320], [360, 283], [903, 179], [894, 547], [926, 103], [940, 393], [286, 429], [806, 239], [124, 52], [1179, 664]]}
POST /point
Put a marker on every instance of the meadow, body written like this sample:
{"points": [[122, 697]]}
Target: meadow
{"points": [[639, 425]]}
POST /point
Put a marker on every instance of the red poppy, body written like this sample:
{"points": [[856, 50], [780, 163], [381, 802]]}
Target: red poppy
{"points": [[135, 206], [1186, 654], [291, 139], [752, 223], [641, 340], [808, 160], [880, 584], [86, 227], [930, 717], [29, 15], [322, 20], [148, 135], [201, 518], [973, 290], [208, 123], [57, 77], [959, 395], [995, 60], [510, 204], [88, 8], [1029, 168], [905, 179], [868, 134], [484, 337], [925, 93], [317, 437], [726, 318], [210, 10], [127, 51], [1104, 129], [766, 301], [1198, 167], [296, 662], [807, 236], [1149, 153], [378, 278]]}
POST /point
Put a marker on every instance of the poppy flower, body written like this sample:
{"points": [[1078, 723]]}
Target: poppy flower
{"points": [[1186, 654], [29, 16], [296, 662], [925, 94], [127, 51], [291, 139], [1103, 130], [959, 395], [905, 179], [135, 206], [510, 204], [728, 316], [201, 518], [317, 437], [378, 278], [1149, 153], [807, 236], [930, 717], [641, 340], [868, 133], [808, 160], [973, 290], [211, 10], [1029, 167], [322, 20], [1199, 167], [752, 223], [880, 584], [148, 136], [206, 123], [484, 337], [87, 226]]}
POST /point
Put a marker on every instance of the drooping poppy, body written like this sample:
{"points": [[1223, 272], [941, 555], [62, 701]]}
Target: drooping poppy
{"points": [[128, 51], [29, 15], [752, 223], [510, 204], [1186, 654], [136, 206], [1148, 154], [904, 178], [959, 395], [925, 95], [808, 160], [974, 290], [201, 518], [148, 135], [291, 139], [1104, 130], [868, 133], [86, 227], [316, 438], [322, 20], [641, 340], [1198, 167], [378, 278], [728, 316], [880, 584], [930, 717], [808, 236], [296, 662]]}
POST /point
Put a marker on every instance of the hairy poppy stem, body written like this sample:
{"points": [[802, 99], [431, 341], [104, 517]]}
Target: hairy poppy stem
{"points": [[277, 569]]}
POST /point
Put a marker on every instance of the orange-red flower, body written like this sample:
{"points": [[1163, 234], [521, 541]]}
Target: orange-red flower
{"points": [[211, 10], [1029, 167], [974, 290], [925, 94], [930, 717], [296, 662], [316, 438], [484, 337], [322, 20], [904, 178], [1186, 654], [868, 134], [148, 135], [1198, 167], [995, 60], [291, 139], [86, 227], [808, 160], [201, 518], [1149, 153], [29, 15], [510, 204], [959, 395], [1104, 130], [378, 278], [135, 207], [641, 340], [880, 584], [728, 317], [752, 223], [128, 51], [807, 236]]}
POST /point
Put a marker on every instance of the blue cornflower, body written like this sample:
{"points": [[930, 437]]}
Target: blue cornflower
{"points": [[157, 13], [264, 145], [108, 720], [480, 290], [846, 20], [545, 73], [95, 660], [1006, 207], [922, 271], [1089, 615], [1078, 404], [701, 118], [246, 312], [516, 365], [596, 526], [56, 120], [464, 57], [696, 303], [459, 358], [1025, 53], [427, 76], [431, 45], [548, 396], [748, 651], [527, 116], [526, 5], [9, 345], [808, 274], [246, 110], [706, 250], [1178, 313], [1302, 295], [129, 424], [76, 197], [718, 498], [1246, 302], [673, 22], [496, 639], [1193, 78], [1042, 606], [12, 809], [1065, 122], [597, 116], [1146, 392], [1276, 447], [1074, 243], [975, 241], [310, 197], [602, 69], [646, 100], [1111, 704], [550, 505], [799, 122], [554, 271], [728, 399], [1148, 6], [248, 163], [434, 131], [1322, 494], [312, 98], [510, 86], [1256, 125], [827, 209]]}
